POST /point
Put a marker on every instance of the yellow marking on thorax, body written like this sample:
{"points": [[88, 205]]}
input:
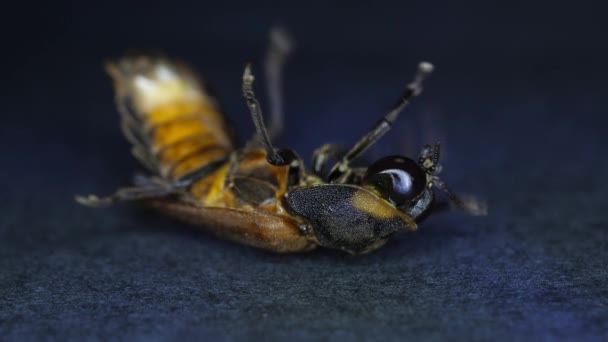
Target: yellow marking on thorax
{"points": [[256, 158], [211, 191], [378, 207]]}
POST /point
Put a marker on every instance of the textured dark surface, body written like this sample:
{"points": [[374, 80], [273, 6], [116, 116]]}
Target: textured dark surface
{"points": [[338, 223], [519, 95]]}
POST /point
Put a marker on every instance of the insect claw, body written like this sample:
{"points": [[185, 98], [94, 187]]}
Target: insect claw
{"points": [[281, 40], [248, 77], [425, 69], [474, 206], [423, 72]]}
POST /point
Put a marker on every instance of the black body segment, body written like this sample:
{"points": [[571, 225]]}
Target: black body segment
{"points": [[400, 179], [347, 217], [422, 207]]}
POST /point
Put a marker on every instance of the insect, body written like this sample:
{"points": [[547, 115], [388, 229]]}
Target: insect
{"points": [[260, 195]]}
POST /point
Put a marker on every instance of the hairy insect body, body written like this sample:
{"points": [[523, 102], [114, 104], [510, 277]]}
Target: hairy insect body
{"points": [[177, 131], [175, 126], [260, 195], [241, 200]]}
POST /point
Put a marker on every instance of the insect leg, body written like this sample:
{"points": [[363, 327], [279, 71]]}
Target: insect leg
{"points": [[274, 156], [469, 204], [384, 125], [279, 49], [150, 188], [431, 128], [429, 158], [357, 175], [322, 155]]}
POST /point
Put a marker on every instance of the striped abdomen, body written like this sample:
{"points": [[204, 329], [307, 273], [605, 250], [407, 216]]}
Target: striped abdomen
{"points": [[173, 123]]}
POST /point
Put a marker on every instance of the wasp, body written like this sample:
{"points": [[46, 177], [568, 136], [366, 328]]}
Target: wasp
{"points": [[260, 195]]}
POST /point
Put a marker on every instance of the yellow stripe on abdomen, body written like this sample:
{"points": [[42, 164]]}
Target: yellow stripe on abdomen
{"points": [[184, 128], [188, 137]]}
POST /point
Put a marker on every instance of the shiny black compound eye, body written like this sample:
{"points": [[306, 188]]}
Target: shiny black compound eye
{"points": [[399, 179]]}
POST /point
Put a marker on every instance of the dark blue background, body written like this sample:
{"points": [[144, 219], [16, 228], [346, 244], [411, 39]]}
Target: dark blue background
{"points": [[518, 98]]}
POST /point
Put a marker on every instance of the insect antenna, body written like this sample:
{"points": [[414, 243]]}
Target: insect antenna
{"points": [[385, 124]]}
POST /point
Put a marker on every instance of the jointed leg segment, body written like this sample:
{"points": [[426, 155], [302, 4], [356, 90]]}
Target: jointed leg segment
{"points": [[384, 125], [275, 156], [154, 189], [324, 154]]}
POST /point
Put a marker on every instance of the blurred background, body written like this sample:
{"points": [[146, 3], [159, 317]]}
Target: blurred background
{"points": [[518, 98]]}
